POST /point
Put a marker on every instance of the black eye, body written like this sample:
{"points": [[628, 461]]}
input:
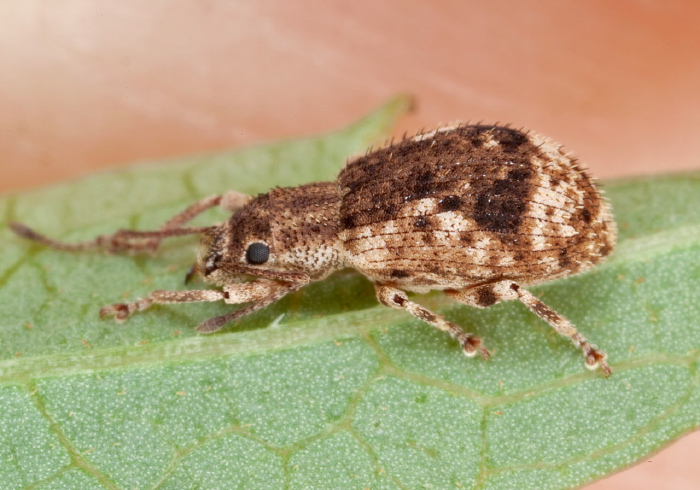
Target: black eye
{"points": [[257, 253]]}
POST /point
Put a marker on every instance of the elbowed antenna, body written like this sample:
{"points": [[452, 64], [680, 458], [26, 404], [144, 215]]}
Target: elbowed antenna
{"points": [[28, 233], [122, 240]]}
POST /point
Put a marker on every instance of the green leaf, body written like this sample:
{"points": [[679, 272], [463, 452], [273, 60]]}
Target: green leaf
{"points": [[326, 389]]}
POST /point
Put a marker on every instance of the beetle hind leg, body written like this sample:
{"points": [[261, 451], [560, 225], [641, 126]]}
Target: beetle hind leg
{"points": [[397, 299], [486, 295]]}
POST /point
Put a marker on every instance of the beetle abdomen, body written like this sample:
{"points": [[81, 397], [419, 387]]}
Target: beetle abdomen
{"points": [[471, 204]]}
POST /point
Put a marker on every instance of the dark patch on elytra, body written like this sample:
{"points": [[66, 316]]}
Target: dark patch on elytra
{"points": [[499, 214], [449, 203], [421, 222], [477, 141], [435, 269], [500, 206], [425, 177], [510, 139], [564, 258], [347, 222], [586, 215], [477, 133], [419, 187], [511, 240], [519, 174], [467, 238]]}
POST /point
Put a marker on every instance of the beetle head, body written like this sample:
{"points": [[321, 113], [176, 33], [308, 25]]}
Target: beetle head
{"points": [[285, 233]]}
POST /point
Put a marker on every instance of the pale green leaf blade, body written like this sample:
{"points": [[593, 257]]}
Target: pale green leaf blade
{"points": [[326, 389]]}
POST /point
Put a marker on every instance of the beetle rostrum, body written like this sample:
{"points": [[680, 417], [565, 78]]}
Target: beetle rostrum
{"points": [[478, 212]]}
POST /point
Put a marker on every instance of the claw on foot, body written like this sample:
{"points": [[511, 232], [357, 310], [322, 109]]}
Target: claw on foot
{"points": [[119, 311], [597, 360], [472, 345]]}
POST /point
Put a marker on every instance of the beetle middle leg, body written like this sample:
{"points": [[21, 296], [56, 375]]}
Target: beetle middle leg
{"points": [[485, 295], [140, 241], [396, 298], [260, 293]]}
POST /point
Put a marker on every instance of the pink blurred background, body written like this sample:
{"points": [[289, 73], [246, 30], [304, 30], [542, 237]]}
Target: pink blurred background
{"points": [[88, 84]]}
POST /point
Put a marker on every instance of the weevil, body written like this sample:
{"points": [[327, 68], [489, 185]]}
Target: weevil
{"points": [[476, 211]]}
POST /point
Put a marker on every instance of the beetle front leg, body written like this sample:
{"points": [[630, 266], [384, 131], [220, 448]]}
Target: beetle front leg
{"points": [[122, 311], [396, 298], [261, 293]]}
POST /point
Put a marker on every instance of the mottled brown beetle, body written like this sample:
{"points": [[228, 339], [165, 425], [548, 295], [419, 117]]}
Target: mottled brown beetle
{"points": [[475, 211]]}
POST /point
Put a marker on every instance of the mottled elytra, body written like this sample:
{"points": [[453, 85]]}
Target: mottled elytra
{"points": [[478, 212]]}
